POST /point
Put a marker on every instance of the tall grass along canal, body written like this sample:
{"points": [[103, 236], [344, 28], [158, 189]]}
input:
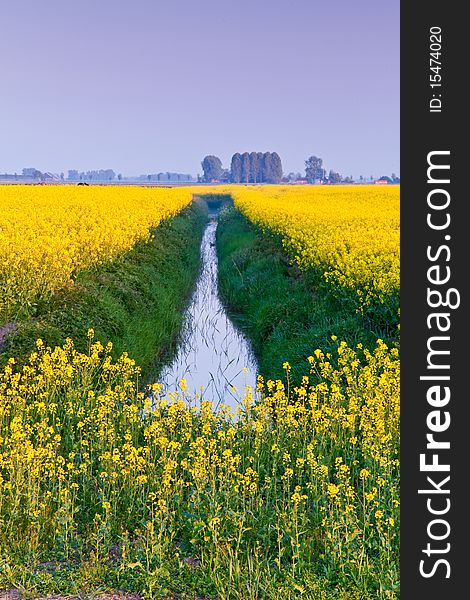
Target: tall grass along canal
{"points": [[214, 358]]}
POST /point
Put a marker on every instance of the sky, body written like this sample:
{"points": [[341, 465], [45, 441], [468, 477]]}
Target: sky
{"points": [[144, 86]]}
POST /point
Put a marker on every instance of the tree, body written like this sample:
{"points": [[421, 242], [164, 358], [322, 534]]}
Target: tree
{"points": [[73, 175], [107, 174], [32, 172], [254, 167], [267, 167], [260, 160], [212, 167], [334, 177], [314, 170], [119, 176], [236, 168], [245, 171], [276, 168]]}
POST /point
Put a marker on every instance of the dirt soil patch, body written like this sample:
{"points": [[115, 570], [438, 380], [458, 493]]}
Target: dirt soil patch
{"points": [[5, 330]]}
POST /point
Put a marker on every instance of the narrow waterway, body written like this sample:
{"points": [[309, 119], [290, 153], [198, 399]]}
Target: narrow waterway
{"points": [[214, 358]]}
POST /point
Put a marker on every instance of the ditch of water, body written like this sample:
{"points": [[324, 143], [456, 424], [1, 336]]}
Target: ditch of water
{"points": [[214, 357]]}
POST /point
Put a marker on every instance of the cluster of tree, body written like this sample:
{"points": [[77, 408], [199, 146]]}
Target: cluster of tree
{"points": [[165, 177], [256, 167], [249, 167], [316, 173], [314, 170], [392, 179], [100, 175], [31, 172]]}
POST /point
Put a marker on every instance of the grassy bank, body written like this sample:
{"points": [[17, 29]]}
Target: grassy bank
{"points": [[285, 313], [136, 301]]}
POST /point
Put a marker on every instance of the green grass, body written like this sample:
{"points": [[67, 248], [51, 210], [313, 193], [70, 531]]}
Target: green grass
{"points": [[174, 580], [137, 301], [286, 314]]}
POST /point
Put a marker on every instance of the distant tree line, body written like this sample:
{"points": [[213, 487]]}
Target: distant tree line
{"points": [[100, 175], [166, 177], [245, 168], [315, 173]]}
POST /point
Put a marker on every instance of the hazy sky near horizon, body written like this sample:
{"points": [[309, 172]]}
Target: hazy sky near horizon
{"points": [[145, 86]]}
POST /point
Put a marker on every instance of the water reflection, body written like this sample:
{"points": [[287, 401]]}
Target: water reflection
{"points": [[213, 358]]}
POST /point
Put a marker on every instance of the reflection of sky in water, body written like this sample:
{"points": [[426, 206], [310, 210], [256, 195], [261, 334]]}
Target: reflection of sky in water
{"points": [[213, 354]]}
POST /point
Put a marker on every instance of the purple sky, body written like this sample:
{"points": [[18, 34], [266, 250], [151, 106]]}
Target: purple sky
{"points": [[146, 86]]}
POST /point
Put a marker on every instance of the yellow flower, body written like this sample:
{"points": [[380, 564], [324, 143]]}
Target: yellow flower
{"points": [[333, 490], [50, 233]]}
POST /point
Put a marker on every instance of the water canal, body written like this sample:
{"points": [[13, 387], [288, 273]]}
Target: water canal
{"points": [[214, 357]]}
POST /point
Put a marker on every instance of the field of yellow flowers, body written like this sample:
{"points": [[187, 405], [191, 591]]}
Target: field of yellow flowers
{"points": [[349, 233], [106, 485], [303, 481], [49, 233]]}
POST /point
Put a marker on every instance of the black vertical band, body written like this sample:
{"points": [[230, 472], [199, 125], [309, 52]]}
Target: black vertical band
{"points": [[434, 273]]}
